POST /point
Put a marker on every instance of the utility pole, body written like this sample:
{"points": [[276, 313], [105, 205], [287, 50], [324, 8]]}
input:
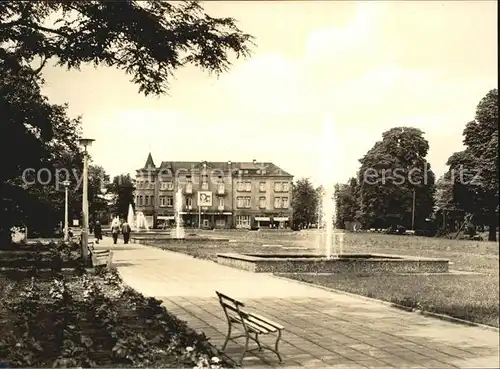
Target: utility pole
{"points": [[66, 221], [85, 142], [413, 212]]}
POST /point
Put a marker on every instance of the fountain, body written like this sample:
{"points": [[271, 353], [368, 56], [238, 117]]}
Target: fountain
{"points": [[130, 217], [179, 229], [141, 222], [338, 262]]}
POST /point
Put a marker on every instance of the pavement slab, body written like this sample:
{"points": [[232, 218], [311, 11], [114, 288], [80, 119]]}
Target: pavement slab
{"points": [[322, 328]]}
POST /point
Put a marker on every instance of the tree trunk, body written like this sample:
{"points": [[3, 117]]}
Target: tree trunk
{"points": [[493, 224]]}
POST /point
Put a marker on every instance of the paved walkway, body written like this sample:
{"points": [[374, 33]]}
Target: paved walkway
{"points": [[323, 329]]}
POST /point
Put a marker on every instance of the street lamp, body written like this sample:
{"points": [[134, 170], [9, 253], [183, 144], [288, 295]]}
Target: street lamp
{"points": [[85, 142], [66, 226]]}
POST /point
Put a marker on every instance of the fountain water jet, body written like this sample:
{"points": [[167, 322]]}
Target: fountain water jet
{"points": [[130, 217], [327, 175], [179, 230], [141, 222]]}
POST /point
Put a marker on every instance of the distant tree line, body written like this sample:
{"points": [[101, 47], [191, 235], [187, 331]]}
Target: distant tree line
{"points": [[396, 186]]}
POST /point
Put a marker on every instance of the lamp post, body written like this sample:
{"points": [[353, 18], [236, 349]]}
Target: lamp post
{"points": [[85, 142], [66, 225]]}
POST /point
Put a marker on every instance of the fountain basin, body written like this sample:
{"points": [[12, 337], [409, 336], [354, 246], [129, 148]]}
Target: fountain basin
{"points": [[188, 238], [364, 264]]}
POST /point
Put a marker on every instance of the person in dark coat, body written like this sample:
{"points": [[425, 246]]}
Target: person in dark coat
{"points": [[97, 231], [126, 232]]}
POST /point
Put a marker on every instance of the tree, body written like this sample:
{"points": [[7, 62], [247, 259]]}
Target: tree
{"points": [[474, 171], [305, 203], [392, 172], [123, 188], [98, 183], [148, 40], [347, 202]]}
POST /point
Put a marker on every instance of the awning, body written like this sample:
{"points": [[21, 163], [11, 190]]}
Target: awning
{"points": [[280, 219], [165, 217], [262, 219]]}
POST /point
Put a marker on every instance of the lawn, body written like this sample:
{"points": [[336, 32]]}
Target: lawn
{"points": [[473, 297], [90, 318]]}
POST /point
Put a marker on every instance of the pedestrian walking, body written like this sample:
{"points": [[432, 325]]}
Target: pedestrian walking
{"points": [[115, 230], [126, 232], [97, 231]]}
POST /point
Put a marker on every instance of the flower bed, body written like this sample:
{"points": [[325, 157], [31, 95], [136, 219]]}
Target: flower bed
{"points": [[91, 319]]}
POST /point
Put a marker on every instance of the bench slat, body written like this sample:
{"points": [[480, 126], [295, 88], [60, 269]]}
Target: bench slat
{"points": [[266, 320], [255, 328], [267, 326]]}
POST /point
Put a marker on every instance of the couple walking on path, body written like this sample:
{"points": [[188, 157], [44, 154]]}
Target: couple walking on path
{"points": [[124, 228]]}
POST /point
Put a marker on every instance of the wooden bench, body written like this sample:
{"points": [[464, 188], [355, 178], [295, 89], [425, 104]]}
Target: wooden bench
{"points": [[100, 257], [253, 326]]}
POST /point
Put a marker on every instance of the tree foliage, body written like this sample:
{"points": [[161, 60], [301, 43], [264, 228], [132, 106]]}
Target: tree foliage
{"points": [[123, 188], [305, 203], [148, 40], [391, 171], [347, 202], [474, 171]]}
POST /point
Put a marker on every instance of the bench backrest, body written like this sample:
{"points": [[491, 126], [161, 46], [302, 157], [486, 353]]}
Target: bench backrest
{"points": [[232, 307]]}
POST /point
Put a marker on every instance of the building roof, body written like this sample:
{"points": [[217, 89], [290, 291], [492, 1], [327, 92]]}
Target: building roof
{"points": [[264, 168], [149, 162]]}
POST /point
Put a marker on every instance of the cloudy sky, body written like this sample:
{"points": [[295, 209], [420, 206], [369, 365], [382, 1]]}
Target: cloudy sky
{"points": [[363, 66]]}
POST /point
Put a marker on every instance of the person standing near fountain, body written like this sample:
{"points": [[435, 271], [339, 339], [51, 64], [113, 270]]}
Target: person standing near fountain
{"points": [[126, 232]]}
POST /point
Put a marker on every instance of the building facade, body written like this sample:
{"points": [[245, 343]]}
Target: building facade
{"points": [[215, 194]]}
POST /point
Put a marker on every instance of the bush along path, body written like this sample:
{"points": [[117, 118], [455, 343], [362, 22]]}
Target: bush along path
{"points": [[92, 320]]}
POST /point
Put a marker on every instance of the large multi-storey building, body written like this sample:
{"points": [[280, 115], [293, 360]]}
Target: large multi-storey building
{"points": [[215, 194]]}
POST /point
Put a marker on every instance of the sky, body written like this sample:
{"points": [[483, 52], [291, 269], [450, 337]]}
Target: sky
{"points": [[349, 69]]}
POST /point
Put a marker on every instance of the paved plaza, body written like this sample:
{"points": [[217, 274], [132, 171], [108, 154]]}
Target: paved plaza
{"points": [[322, 328]]}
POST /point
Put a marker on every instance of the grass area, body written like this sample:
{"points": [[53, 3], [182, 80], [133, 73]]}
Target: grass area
{"points": [[473, 297]]}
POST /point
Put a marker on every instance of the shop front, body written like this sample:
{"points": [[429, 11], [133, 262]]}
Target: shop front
{"points": [[165, 221], [281, 222], [263, 222]]}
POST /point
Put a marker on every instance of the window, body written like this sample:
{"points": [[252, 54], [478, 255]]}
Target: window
{"points": [[243, 201], [139, 200], [277, 202], [169, 186], [220, 223], [163, 186], [170, 201], [152, 200], [262, 186], [284, 202], [221, 202], [163, 201], [204, 182], [189, 187], [220, 187], [245, 186], [286, 186], [278, 187], [243, 221], [262, 202], [189, 202]]}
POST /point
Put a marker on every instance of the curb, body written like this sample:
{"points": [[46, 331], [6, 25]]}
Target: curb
{"points": [[397, 306]]}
